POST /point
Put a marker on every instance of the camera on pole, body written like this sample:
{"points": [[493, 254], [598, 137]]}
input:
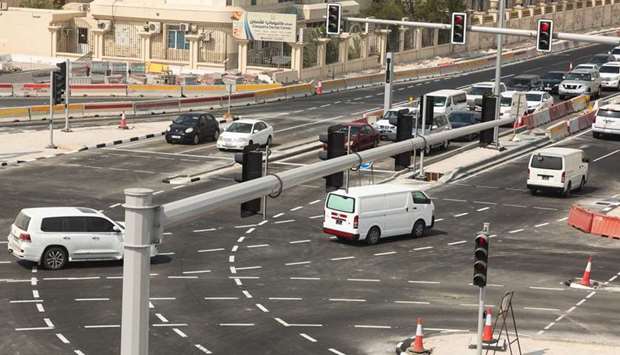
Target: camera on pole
{"points": [[251, 168], [334, 14], [59, 83], [488, 114], [544, 35], [459, 28], [333, 146], [481, 259]]}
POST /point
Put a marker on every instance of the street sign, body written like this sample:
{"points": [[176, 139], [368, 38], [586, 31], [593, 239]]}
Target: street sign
{"points": [[231, 85], [366, 165]]}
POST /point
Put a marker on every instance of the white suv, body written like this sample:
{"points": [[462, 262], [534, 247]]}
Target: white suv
{"points": [[53, 236], [610, 75], [607, 121]]}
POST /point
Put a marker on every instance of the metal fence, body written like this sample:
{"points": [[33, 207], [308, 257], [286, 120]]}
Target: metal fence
{"points": [[123, 40], [269, 54]]}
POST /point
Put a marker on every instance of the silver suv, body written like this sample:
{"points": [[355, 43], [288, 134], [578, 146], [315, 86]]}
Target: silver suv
{"points": [[580, 82]]}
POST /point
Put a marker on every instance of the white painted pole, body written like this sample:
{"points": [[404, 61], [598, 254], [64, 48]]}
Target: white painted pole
{"points": [[501, 13]]}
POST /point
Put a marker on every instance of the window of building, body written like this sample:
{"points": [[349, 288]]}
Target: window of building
{"points": [[176, 38], [82, 35], [228, 2], [253, 2]]}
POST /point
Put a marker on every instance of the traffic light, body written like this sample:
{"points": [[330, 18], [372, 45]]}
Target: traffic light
{"points": [[481, 259], [459, 28], [430, 110], [335, 147], [251, 168], [404, 128], [59, 83], [489, 103], [334, 14], [544, 35]]}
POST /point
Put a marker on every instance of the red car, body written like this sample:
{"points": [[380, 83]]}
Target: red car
{"points": [[363, 135]]}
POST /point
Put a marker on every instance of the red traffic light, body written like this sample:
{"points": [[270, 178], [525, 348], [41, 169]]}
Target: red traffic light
{"points": [[458, 20], [544, 26]]}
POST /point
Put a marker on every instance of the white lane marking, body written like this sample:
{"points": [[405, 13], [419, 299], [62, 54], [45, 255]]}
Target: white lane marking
{"points": [[48, 322], [372, 326], [179, 332], [71, 278], [346, 299], [296, 208], [233, 270], [605, 156], [412, 302], [167, 253], [182, 277], [300, 241], [297, 111], [231, 258], [78, 352], [454, 200], [279, 215], [306, 278], [25, 301], [485, 203], [100, 326], [516, 231], [486, 187], [234, 248], [513, 205], [385, 253], [313, 202], [457, 243], [317, 216], [161, 318], [542, 309], [158, 192], [580, 302], [591, 294], [549, 325], [262, 308], [240, 240], [169, 325], [178, 187], [281, 321], [364, 280], [221, 298], [545, 208], [245, 277], [204, 230], [91, 299], [285, 221], [285, 299], [439, 220], [334, 351], [546, 288], [461, 214], [196, 272], [114, 205], [62, 338], [257, 246], [250, 230], [245, 226], [483, 209], [263, 222], [613, 278], [249, 268], [162, 298], [236, 324], [559, 318], [571, 309], [33, 328], [562, 219], [422, 248], [322, 106], [307, 337], [210, 250], [541, 225], [151, 305], [298, 263], [202, 348], [34, 269], [424, 282], [246, 294], [342, 258], [40, 308]]}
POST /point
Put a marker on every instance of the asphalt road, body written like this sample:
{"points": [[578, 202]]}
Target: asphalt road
{"points": [[228, 285]]}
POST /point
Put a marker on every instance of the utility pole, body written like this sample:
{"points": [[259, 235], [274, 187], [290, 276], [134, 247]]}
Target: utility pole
{"points": [[389, 78], [51, 125], [67, 93], [501, 13]]}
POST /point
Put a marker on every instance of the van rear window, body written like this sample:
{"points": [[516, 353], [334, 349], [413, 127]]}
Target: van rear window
{"points": [[341, 203], [22, 221], [546, 162]]}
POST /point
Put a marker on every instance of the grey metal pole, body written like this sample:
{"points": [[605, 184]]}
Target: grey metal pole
{"points": [[501, 13], [481, 297], [229, 94], [139, 222], [389, 73], [51, 117], [67, 93], [266, 171], [346, 175], [424, 108]]}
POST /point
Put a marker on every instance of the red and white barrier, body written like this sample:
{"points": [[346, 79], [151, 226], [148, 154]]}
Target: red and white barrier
{"points": [[6, 89], [29, 89], [99, 90]]}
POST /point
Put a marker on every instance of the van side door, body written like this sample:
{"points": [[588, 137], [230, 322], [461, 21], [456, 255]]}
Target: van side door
{"points": [[396, 220]]}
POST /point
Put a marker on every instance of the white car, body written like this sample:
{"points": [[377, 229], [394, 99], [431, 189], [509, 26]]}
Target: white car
{"points": [[586, 66], [538, 100], [505, 104], [386, 126], [478, 90], [616, 53], [607, 121], [558, 169], [610, 75], [244, 132], [53, 236]]}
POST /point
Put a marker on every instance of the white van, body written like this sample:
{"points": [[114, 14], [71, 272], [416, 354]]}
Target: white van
{"points": [[376, 211], [447, 101], [558, 169], [607, 121]]}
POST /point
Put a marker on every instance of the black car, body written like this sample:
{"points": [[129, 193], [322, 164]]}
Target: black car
{"points": [[526, 82], [193, 127], [551, 81], [460, 119], [602, 58]]}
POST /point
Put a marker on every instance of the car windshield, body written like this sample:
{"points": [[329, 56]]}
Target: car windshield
{"points": [[186, 119], [480, 90], [521, 81], [345, 129], [610, 69], [615, 51], [599, 59], [390, 115], [533, 97], [439, 101], [341, 203], [239, 127], [553, 76], [608, 113], [578, 76], [540, 161], [505, 101], [461, 117]]}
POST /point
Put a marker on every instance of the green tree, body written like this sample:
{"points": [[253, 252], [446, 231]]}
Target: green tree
{"points": [[386, 9], [42, 4], [432, 10]]}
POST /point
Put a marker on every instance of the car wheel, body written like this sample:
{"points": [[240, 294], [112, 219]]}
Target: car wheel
{"points": [[196, 139], [596, 134], [268, 141], [375, 144], [582, 183], [54, 258], [373, 236], [168, 141], [568, 190], [216, 135], [418, 229]]}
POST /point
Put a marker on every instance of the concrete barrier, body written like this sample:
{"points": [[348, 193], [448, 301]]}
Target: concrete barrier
{"points": [[580, 218], [557, 131], [256, 87], [243, 99], [11, 114], [108, 108], [157, 107], [605, 225], [573, 125], [579, 103], [154, 90], [201, 103], [271, 95], [99, 90], [6, 89], [29, 89], [560, 110], [300, 90], [203, 90], [334, 85]]}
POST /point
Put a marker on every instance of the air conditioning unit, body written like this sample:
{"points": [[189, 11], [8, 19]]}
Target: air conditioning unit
{"points": [[184, 27], [154, 27], [104, 25]]}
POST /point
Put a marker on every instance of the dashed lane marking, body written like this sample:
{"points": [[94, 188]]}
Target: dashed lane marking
{"points": [[26, 301], [234, 248], [385, 253], [297, 263], [262, 308], [256, 246], [202, 348], [40, 308], [364, 280], [542, 309], [169, 325], [439, 220], [422, 248], [334, 351], [485, 203], [173, 277], [454, 200], [62, 338], [317, 216], [221, 298], [486, 187], [102, 326], [461, 214], [412, 302], [372, 326], [78, 352], [483, 209], [161, 318], [236, 324], [305, 278], [545, 208], [342, 258], [91, 299], [307, 337], [48, 322], [296, 208], [605, 156], [285, 221], [240, 240], [210, 250], [245, 226], [300, 241], [279, 215], [514, 205], [457, 243], [516, 231], [114, 205], [541, 225], [248, 268], [285, 299], [247, 294], [424, 282], [313, 202], [250, 230], [196, 272], [546, 288], [562, 219]]}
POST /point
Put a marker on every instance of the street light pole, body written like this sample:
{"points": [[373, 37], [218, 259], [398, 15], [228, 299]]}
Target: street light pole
{"points": [[501, 13], [51, 117]]}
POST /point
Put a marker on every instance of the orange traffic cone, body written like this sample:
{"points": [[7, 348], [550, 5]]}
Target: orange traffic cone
{"points": [[417, 347], [487, 333], [319, 87], [123, 123], [585, 280]]}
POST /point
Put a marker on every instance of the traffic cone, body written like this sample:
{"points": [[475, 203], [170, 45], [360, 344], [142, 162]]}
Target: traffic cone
{"points": [[585, 280], [123, 123], [319, 88], [417, 347], [487, 333]]}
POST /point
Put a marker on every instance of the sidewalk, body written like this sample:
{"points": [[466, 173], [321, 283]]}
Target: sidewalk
{"points": [[30, 145]]}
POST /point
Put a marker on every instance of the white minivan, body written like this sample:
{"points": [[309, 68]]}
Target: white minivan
{"points": [[53, 236], [557, 169], [376, 211], [447, 101]]}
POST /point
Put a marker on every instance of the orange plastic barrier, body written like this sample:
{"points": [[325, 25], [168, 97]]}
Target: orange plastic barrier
{"points": [[580, 218], [607, 226]]}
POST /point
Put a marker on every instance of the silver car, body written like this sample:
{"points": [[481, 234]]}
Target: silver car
{"points": [[580, 82]]}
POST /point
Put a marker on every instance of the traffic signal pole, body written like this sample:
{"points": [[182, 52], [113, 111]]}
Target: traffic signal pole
{"points": [[481, 299], [67, 93], [501, 14], [51, 145], [481, 250]]}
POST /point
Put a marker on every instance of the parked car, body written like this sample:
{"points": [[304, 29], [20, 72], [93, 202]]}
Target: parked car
{"points": [[615, 52], [387, 130], [53, 236], [446, 101], [610, 75], [478, 90], [557, 169], [244, 132], [526, 82], [538, 100], [551, 81], [601, 58], [581, 82], [460, 119], [363, 135], [607, 121], [193, 127], [373, 212], [586, 66]]}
